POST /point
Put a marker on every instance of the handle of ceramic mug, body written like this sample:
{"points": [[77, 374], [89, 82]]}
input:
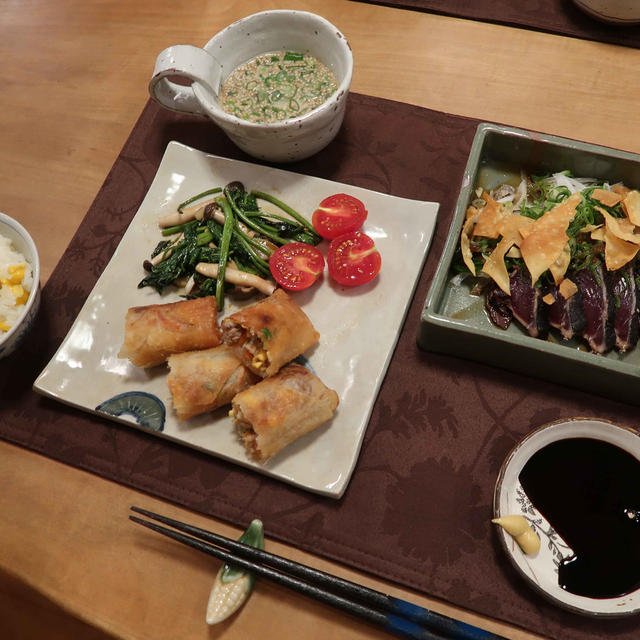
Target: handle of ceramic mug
{"points": [[188, 62]]}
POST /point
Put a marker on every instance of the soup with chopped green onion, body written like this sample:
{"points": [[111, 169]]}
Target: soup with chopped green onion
{"points": [[277, 85]]}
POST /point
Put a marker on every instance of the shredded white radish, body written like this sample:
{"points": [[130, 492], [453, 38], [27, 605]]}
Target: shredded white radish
{"points": [[521, 192], [573, 184]]}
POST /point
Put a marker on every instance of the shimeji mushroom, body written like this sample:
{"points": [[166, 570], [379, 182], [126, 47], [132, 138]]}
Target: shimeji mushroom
{"points": [[237, 277]]}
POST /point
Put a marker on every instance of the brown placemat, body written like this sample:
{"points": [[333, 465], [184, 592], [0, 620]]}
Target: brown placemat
{"points": [[561, 17], [418, 506]]}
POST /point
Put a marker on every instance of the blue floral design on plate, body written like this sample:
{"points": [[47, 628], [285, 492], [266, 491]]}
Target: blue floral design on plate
{"points": [[147, 410]]}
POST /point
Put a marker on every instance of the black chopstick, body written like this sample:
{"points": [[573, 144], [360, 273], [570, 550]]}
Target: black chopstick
{"points": [[397, 616]]}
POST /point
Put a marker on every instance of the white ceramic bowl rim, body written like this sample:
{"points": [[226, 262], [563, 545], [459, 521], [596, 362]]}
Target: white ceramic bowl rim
{"points": [[623, 437], [203, 95], [34, 260], [555, 431]]}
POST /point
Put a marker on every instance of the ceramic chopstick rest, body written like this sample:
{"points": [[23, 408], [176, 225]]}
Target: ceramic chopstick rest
{"points": [[232, 586]]}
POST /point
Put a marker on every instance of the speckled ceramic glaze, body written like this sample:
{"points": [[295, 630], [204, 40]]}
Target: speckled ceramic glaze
{"points": [[206, 69], [541, 570], [358, 326], [23, 243]]}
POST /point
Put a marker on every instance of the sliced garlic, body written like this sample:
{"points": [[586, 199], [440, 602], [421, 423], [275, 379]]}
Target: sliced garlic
{"points": [[518, 527]]}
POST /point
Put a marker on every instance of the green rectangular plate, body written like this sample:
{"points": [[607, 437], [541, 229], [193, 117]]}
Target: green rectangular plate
{"points": [[455, 322]]}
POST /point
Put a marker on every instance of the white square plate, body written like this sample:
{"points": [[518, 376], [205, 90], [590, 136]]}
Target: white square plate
{"points": [[358, 326]]}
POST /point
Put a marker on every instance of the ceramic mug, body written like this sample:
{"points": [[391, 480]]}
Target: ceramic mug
{"points": [[206, 69]]}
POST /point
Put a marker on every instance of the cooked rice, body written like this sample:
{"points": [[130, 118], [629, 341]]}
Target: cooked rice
{"points": [[16, 280]]}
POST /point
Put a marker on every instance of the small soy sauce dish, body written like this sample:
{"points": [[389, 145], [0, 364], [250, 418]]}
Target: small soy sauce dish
{"points": [[577, 484]]}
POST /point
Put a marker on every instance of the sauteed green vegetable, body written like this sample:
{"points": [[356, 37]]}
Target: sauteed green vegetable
{"points": [[221, 240]]}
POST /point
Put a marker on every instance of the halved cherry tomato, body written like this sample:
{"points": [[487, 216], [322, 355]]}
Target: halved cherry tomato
{"points": [[353, 259], [296, 266], [338, 214]]}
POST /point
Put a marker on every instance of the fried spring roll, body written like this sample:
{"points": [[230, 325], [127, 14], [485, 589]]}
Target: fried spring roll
{"points": [[155, 332], [201, 381], [270, 333], [278, 410]]}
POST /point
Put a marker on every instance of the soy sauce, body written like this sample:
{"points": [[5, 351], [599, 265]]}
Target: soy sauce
{"points": [[589, 492]]}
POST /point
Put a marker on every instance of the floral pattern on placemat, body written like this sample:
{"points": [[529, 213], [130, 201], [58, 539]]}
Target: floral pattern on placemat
{"points": [[418, 508]]}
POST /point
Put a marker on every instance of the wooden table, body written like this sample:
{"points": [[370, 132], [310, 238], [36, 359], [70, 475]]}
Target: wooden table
{"points": [[74, 77]]}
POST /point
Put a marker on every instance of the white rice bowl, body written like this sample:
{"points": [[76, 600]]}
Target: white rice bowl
{"points": [[10, 309], [17, 248]]}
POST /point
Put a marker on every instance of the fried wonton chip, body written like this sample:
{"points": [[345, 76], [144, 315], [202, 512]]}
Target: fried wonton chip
{"points": [[495, 267], [631, 205], [598, 234], [559, 267], [588, 228], [545, 243], [618, 252], [621, 189], [620, 227], [525, 232], [465, 247], [513, 224], [568, 288], [471, 212], [608, 198], [489, 218]]}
